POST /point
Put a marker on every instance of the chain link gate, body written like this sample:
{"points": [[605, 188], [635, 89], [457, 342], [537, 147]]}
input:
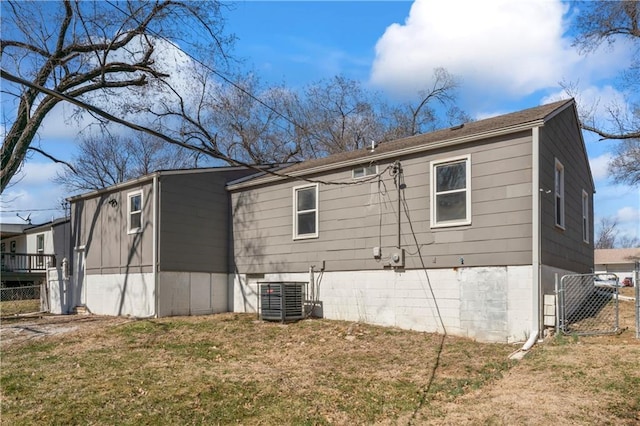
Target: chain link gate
{"points": [[588, 304]]}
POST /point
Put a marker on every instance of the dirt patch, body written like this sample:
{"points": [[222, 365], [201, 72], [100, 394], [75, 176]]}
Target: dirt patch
{"points": [[23, 329]]}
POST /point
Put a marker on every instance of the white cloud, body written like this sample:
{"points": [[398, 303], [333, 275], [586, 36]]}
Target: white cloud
{"points": [[32, 193], [38, 173], [629, 221], [516, 46], [599, 166], [629, 215], [497, 47]]}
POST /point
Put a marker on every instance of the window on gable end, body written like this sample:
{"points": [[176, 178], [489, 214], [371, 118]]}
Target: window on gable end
{"points": [[559, 194], [585, 216]]}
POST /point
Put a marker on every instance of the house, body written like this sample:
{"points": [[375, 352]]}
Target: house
{"points": [[462, 230], [621, 262], [28, 250], [154, 246]]}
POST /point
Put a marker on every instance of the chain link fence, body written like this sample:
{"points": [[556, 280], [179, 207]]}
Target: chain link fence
{"points": [[20, 300], [588, 304]]}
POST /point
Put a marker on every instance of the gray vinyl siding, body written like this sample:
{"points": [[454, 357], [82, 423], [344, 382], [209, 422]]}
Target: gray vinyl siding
{"points": [[194, 218], [354, 219], [102, 229], [565, 249]]}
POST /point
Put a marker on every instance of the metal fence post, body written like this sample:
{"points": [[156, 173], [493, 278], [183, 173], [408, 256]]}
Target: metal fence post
{"points": [[637, 288], [557, 304]]}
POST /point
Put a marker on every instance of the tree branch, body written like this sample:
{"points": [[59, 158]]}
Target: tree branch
{"points": [[52, 158], [607, 135]]}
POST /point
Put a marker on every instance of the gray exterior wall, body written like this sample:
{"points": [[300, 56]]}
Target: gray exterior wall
{"points": [[102, 229], [565, 249], [195, 221], [62, 241], [354, 219]]}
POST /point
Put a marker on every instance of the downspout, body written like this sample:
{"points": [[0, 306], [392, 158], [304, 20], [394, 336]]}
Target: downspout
{"points": [[535, 246], [536, 233], [156, 225]]}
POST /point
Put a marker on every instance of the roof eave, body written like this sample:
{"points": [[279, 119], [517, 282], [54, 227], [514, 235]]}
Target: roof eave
{"points": [[391, 154]]}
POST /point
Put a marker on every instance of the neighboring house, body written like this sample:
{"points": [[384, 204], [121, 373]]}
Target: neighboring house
{"points": [[154, 246], [27, 250], [621, 262], [463, 231]]}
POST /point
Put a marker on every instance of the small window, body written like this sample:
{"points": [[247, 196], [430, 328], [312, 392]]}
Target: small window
{"points": [[135, 212], [40, 250], [559, 194], [585, 216], [451, 192], [360, 172], [305, 211]]}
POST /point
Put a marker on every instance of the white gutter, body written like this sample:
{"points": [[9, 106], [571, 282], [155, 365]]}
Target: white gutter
{"points": [[390, 154], [156, 223], [536, 207]]}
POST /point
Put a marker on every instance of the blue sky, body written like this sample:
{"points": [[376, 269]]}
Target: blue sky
{"points": [[508, 55]]}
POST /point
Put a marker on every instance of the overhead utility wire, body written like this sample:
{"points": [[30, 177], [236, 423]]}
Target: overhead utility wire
{"points": [[243, 90], [223, 77], [214, 153]]}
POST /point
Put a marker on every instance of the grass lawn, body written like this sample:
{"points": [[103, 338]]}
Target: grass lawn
{"points": [[14, 307], [230, 368]]}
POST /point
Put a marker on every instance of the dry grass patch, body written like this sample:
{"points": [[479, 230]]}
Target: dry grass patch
{"points": [[230, 368], [15, 307]]}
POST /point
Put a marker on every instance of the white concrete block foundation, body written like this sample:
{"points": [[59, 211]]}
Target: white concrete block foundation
{"points": [[491, 304]]}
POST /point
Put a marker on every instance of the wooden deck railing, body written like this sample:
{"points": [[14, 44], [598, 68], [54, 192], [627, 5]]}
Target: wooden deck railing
{"points": [[27, 262]]}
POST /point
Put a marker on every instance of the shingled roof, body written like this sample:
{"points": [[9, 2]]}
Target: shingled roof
{"points": [[616, 256], [472, 131]]}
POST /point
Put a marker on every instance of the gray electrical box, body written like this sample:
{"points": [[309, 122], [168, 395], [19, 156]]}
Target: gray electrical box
{"points": [[282, 301]]}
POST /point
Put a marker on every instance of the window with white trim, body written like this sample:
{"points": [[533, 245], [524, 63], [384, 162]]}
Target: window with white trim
{"points": [[559, 194], [451, 192], [40, 250], [134, 205], [585, 216], [305, 211], [364, 171]]}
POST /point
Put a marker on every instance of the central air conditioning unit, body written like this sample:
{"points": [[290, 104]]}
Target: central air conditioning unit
{"points": [[282, 301]]}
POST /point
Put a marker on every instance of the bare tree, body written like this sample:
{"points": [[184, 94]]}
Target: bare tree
{"points": [[106, 160], [625, 165], [253, 122], [628, 242], [89, 49], [340, 115], [410, 119], [336, 115], [606, 233], [601, 22]]}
